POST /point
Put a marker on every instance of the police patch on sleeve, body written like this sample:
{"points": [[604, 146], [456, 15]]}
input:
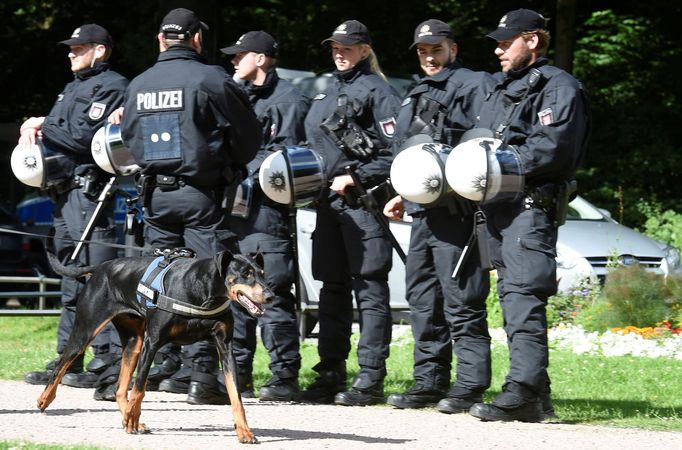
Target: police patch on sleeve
{"points": [[388, 127], [546, 117], [97, 110]]}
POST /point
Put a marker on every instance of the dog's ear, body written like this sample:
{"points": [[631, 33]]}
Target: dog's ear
{"points": [[222, 260], [258, 258]]}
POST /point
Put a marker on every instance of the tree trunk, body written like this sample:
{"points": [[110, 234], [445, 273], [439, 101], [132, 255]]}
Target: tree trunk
{"points": [[564, 37]]}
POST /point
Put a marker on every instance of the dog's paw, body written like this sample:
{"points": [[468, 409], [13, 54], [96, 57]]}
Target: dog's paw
{"points": [[248, 439]]}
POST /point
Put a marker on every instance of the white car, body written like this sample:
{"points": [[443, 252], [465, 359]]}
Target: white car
{"points": [[588, 242]]}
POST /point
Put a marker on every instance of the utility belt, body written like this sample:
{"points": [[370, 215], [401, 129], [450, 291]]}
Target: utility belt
{"points": [[145, 185], [91, 183], [552, 198]]}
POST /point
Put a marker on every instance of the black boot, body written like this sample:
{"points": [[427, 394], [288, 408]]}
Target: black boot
{"points": [[517, 404], [204, 388], [41, 377], [165, 365], [330, 381], [547, 408], [417, 397], [107, 383], [282, 387], [367, 389]]}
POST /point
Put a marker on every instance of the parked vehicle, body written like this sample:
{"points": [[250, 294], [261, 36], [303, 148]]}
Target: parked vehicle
{"points": [[588, 241]]}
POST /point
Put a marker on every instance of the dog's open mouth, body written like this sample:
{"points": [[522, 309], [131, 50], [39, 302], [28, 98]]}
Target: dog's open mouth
{"points": [[253, 308]]}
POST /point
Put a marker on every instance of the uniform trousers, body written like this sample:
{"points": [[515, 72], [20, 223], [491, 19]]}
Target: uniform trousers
{"points": [[72, 213], [444, 310], [523, 250], [352, 254], [189, 216], [266, 232]]}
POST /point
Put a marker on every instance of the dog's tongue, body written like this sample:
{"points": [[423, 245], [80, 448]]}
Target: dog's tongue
{"points": [[253, 308]]}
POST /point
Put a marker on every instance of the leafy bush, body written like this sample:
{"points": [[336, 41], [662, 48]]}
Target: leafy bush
{"points": [[663, 226], [565, 307], [631, 296]]}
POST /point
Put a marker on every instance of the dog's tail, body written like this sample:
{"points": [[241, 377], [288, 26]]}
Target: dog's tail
{"points": [[71, 271]]}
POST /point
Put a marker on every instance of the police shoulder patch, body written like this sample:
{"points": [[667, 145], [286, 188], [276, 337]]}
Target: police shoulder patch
{"points": [[97, 110], [319, 96], [546, 116], [388, 126]]}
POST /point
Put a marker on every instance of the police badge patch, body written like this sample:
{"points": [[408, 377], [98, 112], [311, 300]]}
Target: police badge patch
{"points": [[97, 110], [388, 127], [546, 117]]}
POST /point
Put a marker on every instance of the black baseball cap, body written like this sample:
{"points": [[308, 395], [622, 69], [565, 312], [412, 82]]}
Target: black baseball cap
{"points": [[181, 23], [254, 41], [432, 31], [516, 22], [90, 33], [350, 32]]}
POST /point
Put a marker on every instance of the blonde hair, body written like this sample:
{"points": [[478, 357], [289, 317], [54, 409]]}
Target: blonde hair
{"points": [[374, 62]]}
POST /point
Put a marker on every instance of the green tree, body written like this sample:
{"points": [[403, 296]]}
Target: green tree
{"points": [[627, 63]]}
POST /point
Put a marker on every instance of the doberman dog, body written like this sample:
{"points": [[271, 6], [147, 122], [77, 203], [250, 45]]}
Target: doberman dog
{"points": [[201, 286]]}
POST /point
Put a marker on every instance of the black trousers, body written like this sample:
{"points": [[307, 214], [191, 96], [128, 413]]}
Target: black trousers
{"points": [[443, 310], [523, 250], [72, 213], [352, 254], [190, 217], [266, 231]]}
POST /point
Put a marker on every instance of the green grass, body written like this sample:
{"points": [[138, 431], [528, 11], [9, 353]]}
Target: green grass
{"points": [[618, 391]]}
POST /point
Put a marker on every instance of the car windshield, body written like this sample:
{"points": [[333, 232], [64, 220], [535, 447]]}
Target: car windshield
{"points": [[581, 209]]}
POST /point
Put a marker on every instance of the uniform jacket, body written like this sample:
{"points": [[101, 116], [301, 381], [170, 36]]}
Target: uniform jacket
{"points": [[80, 110], [550, 125], [376, 104], [281, 109], [460, 92], [186, 118]]}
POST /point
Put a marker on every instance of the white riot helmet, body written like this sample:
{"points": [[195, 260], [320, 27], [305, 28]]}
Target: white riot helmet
{"points": [[292, 176], [418, 171], [485, 170], [110, 153], [38, 166]]}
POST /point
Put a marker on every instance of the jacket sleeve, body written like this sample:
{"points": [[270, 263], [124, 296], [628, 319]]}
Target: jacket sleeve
{"points": [[75, 132], [385, 109], [282, 125], [236, 118], [559, 120]]}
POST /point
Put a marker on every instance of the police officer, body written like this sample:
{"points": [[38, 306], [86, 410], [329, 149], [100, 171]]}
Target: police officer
{"points": [[68, 130], [443, 310], [351, 123], [542, 112], [191, 130], [263, 225]]}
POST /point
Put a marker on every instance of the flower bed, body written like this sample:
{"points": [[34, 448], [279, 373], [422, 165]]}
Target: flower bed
{"points": [[650, 342]]}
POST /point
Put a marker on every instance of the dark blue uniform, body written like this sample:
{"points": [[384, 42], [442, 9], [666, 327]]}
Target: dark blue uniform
{"points": [[351, 252], [444, 310], [191, 123], [281, 109], [547, 121], [79, 111], [190, 128]]}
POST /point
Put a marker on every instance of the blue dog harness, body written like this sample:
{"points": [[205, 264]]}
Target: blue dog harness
{"points": [[151, 288]]}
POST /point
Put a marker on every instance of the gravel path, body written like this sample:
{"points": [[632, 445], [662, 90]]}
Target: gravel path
{"points": [[75, 418]]}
